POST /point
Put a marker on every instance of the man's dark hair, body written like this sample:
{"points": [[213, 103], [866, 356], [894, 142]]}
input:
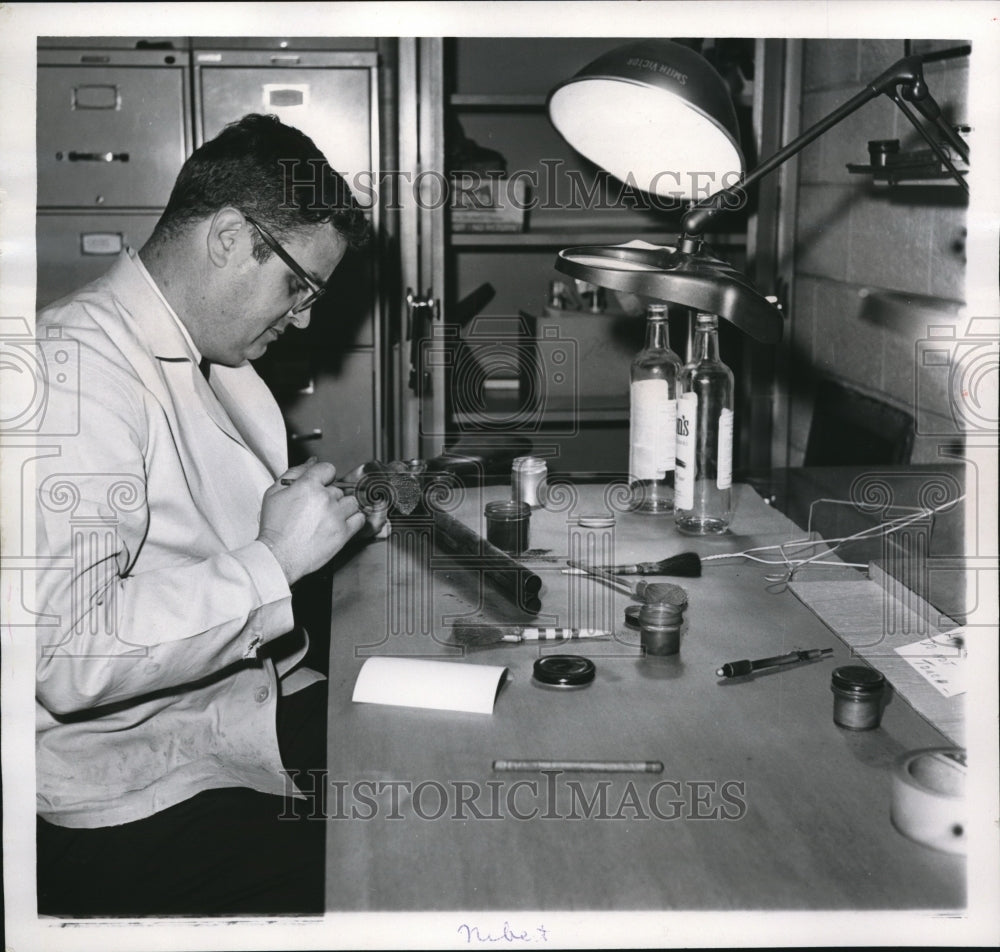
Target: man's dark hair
{"points": [[271, 171]]}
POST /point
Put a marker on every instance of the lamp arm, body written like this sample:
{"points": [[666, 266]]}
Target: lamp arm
{"points": [[906, 73], [929, 139]]}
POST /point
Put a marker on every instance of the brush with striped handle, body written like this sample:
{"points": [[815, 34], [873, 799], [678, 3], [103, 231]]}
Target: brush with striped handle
{"points": [[494, 634]]}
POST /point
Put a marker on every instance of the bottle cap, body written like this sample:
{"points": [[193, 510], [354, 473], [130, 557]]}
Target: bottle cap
{"points": [[528, 464], [564, 671], [507, 510]]}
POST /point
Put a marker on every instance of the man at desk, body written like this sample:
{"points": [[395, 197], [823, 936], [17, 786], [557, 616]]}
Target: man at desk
{"points": [[170, 530]]}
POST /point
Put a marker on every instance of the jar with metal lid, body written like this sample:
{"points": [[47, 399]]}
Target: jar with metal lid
{"points": [[660, 628], [508, 525], [527, 480], [857, 697]]}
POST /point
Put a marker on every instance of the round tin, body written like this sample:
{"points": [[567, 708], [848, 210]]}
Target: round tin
{"points": [[564, 671]]}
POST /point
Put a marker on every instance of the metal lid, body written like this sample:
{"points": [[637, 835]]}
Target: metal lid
{"points": [[529, 464], [857, 679], [596, 522], [507, 510], [565, 671]]}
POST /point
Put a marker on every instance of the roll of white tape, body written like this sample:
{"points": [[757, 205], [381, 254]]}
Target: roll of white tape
{"points": [[928, 798]]}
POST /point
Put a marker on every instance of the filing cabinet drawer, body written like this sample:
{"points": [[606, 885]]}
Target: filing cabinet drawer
{"points": [[74, 249], [332, 106], [112, 136]]}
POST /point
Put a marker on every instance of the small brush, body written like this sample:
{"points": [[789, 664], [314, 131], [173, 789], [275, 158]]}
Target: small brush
{"points": [[494, 634], [642, 591], [684, 565]]}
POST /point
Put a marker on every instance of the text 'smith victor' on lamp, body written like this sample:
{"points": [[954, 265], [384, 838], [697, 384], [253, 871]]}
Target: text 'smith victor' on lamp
{"points": [[657, 115]]}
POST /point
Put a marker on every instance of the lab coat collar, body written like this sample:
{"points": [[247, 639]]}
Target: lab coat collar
{"points": [[238, 401]]}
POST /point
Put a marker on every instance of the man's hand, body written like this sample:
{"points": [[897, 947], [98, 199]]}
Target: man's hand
{"points": [[307, 522]]}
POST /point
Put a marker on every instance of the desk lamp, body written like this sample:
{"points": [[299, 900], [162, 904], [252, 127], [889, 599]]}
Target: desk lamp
{"points": [[657, 115]]}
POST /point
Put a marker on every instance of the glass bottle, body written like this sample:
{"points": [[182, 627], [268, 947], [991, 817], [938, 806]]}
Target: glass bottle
{"points": [[703, 500], [653, 417]]}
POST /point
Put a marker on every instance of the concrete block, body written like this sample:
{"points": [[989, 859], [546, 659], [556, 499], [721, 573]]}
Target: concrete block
{"points": [[828, 62], [947, 254], [876, 56], [889, 244], [823, 234]]}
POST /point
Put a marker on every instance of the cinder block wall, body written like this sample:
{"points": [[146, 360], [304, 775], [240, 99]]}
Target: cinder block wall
{"points": [[853, 238]]}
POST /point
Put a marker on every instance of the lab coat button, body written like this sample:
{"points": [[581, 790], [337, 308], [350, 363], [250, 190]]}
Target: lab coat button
{"points": [[262, 695]]}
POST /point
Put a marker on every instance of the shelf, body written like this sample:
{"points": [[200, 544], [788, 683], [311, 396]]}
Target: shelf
{"points": [[557, 410], [568, 237], [488, 101]]}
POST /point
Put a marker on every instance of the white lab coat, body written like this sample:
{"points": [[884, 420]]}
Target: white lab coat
{"points": [[154, 593]]}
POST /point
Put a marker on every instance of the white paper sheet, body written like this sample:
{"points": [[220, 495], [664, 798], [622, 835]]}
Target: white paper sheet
{"points": [[440, 685], [940, 659]]}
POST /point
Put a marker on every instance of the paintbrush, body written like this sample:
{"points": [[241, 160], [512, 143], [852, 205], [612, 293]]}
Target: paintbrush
{"points": [[643, 591], [476, 635], [684, 565]]}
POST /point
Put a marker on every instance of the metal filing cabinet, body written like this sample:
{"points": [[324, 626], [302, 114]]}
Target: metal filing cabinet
{"points": [[113, 130], [327, 378]]}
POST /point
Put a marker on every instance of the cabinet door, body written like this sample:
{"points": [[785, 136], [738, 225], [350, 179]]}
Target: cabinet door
{"points": [[112, 136], [421, 350]]}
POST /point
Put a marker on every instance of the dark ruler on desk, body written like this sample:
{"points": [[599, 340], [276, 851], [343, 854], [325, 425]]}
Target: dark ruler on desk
{"points": [[763, 802]]}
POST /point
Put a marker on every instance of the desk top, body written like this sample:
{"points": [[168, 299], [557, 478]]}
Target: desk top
{"points": [[764, 803]]}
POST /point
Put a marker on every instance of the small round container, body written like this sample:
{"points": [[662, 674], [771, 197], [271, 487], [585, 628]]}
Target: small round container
{"points": [[563, 672], [660, 628], [857, 697], [508, 525], [527, 480]]}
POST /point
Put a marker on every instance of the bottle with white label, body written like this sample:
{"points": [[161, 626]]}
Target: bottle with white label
{"points": [[653, 417], [703, 493]]}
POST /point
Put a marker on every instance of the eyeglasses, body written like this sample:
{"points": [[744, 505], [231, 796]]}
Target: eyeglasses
{"points": [[317, 291]]}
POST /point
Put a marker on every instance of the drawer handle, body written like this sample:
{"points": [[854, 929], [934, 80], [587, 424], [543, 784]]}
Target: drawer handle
{"points": [[94, 156], [302, 437]]}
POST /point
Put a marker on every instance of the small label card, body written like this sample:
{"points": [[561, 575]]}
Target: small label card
{"points": [[940, 659]]}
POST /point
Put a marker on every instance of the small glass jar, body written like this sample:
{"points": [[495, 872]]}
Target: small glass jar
{"points": [[660, 628], [857, 697], [527, 480], [508, 525]]}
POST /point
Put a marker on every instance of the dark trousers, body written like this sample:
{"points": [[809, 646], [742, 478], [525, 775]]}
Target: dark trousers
{"points": [[222, 852]]}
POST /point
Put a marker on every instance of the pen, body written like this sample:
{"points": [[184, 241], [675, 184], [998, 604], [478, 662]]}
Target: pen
{"points": [[288, 480], [593, 766], [734, 669]]}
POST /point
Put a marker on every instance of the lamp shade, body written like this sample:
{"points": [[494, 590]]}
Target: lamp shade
{"points": [[656, 115]]}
